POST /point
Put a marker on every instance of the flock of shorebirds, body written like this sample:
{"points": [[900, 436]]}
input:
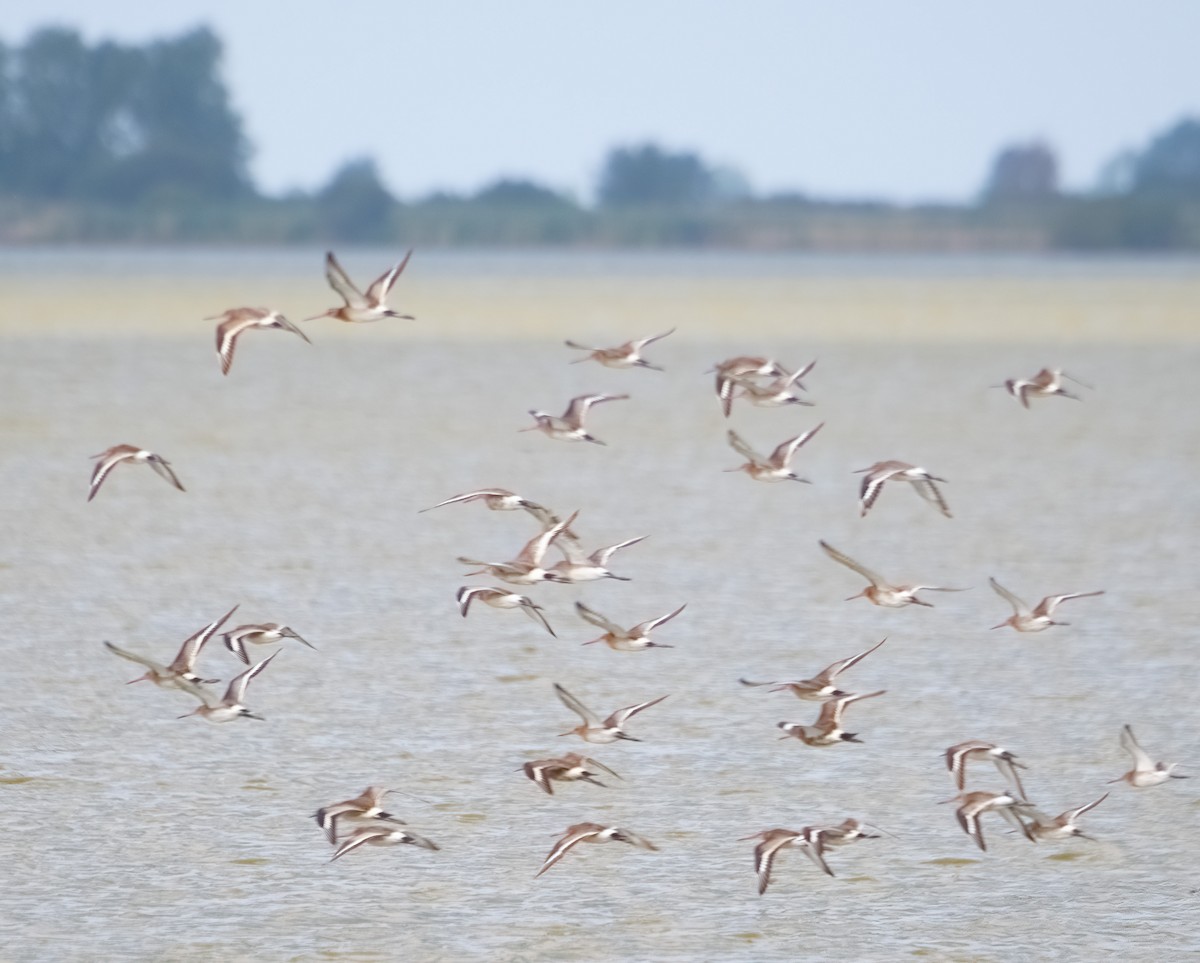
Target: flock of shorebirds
{"points": [[759, 381]]}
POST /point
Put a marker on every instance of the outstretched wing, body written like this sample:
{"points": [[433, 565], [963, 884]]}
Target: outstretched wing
{"points": [[340, 281], [237, 685], [192, 646], [873, 577], [619, 717], [1141, 761], [602, 555], [783, 454], [584, 713], [576, 834], [1019, 607], [134, 657], [738, 444], [832, 671], [645, 628], [379, 290], [588, 615]]}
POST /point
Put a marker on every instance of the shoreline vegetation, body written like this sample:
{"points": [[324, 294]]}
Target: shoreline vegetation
{"points": [[140, 144]]}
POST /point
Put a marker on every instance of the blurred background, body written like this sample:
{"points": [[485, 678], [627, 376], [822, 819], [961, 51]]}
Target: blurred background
{"points": [[777, 126]]}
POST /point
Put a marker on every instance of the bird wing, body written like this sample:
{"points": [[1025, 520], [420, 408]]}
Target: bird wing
{"points": [[579, 406], [931, 493], [574, 835], [586, 714], [378, 292], [287, 325], [618, 718], [588, 615], [192, 646], [228, 330], [237, 685], [872, 485], [968, 818], [831, 672], [588, 760], [358, 838], [1073, 814], [838, 706], [813, 845], [794, 379], [1019, 607], [645, 628], [956, 760], [764, 857], [539, 772], [468, 497], [641, 343], [340, 281], [464, 596], [738, 444], [873, 577], [1047, 605], [602, 555], [1141, 761], [535, 612], [1008, 769], [163, 468], [158, 667], [634, 839], [108, 461], [783, 454], [535, 549]]}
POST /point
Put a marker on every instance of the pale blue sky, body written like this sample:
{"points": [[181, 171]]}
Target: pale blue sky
{"points": [[883, 98]]}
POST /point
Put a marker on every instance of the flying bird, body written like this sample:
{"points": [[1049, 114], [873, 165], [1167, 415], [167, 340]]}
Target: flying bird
{"points": [[237, 321], [884, 471], [183, 667], [131, 454], [570, 426], [1045, 384], [500, 599], [361, 308], [592, 729], [627, 355], [775, 467], [571, 767], [821, 687], [229, 707], [592, 833], [381, 836], [881, 591], [1025, 619], [1145, 772], [622, 639], [265, 633]]}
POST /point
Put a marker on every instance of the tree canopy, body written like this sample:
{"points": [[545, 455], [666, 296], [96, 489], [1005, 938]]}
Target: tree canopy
{"points": [[118, 122], [648, 176], [1171, 162]]}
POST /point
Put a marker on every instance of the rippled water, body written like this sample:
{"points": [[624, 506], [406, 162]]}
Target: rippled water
{"points": [[132, 834]]}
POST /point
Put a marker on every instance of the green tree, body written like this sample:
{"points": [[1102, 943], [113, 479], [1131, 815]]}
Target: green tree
{"points": [[191, 139], [517, 192], [1171, 163], [354, 205], [115, 122], [648, 176]]}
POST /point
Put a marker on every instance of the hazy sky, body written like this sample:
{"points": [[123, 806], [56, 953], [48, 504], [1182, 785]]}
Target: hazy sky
{"points": [[906, 99]]}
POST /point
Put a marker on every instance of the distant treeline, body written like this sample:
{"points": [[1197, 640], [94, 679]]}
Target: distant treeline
{"points": [[130, 143]]}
